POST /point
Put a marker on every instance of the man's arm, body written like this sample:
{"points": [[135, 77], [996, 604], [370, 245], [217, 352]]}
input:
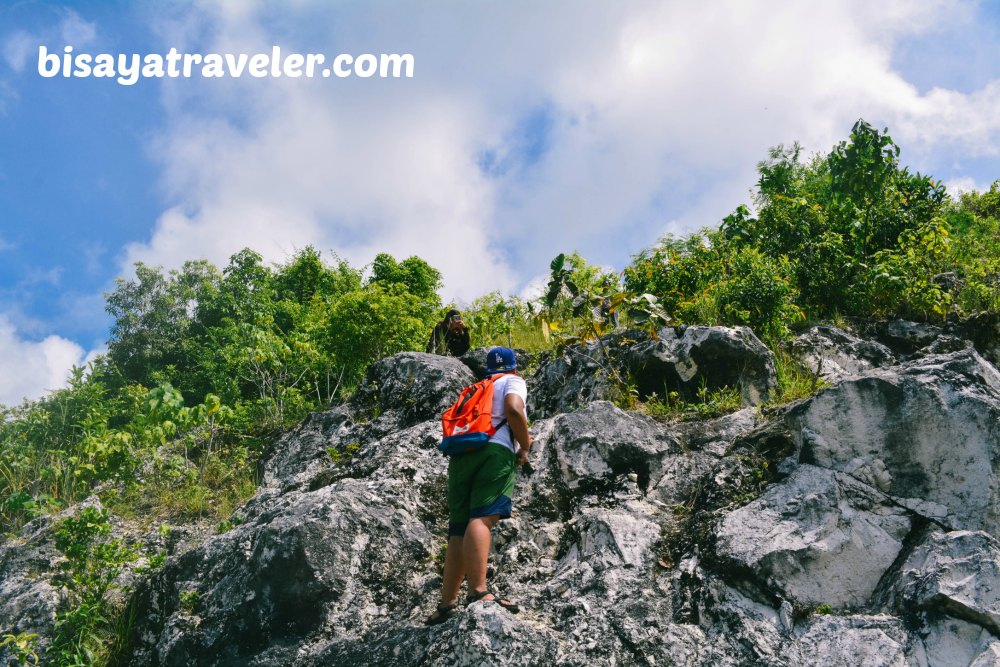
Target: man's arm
{"points": [[517, 420], [463, 342], [432, 343]]}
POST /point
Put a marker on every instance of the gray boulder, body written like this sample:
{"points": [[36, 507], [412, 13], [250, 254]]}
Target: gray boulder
{"points": [[714, 357], [957, 574], [928, 431], [305, 565], [804, 539], [416, 385], [984, 332], [851, 641], [711, 357], [475, 359], [907, 336], [29, 596], [574, 378], [834, 354], [301, 453]]}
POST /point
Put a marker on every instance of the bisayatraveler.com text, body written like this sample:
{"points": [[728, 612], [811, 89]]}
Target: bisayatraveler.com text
{"points": [[129, 68]]}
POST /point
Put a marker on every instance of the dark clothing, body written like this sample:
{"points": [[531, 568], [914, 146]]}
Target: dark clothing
{"points": [[446, 342]]}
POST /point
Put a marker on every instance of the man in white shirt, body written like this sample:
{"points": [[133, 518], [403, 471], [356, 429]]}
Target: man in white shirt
{"points": [[480, 487]]}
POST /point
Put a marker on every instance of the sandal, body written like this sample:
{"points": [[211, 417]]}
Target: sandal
{"points": [[506, 604], [442, 614]]}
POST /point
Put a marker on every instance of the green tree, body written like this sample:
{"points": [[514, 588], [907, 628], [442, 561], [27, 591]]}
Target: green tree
{"points": [[371, 323], [414, 274], [153, 314]]}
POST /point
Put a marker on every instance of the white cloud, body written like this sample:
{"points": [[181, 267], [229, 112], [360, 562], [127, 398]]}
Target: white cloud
{"points": [[76, 31], [29, 369], [961, 185], [18, 48], [655, 112]]}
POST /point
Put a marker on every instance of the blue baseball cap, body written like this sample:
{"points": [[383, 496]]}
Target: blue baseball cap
{"points": [[500, 360]]}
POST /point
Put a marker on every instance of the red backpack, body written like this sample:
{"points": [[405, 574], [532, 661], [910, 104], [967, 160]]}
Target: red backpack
{"points": [[468, 424]]}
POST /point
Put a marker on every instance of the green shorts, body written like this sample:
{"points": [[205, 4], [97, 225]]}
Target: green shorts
{"points": [[480, 483]]}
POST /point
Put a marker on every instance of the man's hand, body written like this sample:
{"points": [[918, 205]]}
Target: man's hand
{"points": [[522, 452]]}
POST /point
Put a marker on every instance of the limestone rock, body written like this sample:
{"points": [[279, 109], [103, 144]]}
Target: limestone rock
{"points": [[418, 386], [910, 336], [957, 574], [714, 357], [834, 354], [475, 359], [929, 428], [848, 641], [632, 542], [302, 452], [803, 539]]}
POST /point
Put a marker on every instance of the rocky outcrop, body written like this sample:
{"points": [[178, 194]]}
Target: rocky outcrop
{"points": [[683, 360], [712, 357], [927, 433], [414, 385], [834, 354], [855, 527], [956, 572], [475, 359], [802, 540]]}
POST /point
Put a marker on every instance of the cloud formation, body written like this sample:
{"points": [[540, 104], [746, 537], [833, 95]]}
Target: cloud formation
{"points": [[29, 369], [529, 129]]}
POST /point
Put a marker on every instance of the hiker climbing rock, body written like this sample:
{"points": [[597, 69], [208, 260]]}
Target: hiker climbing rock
{"points": [[450, 336], [481, 479]]}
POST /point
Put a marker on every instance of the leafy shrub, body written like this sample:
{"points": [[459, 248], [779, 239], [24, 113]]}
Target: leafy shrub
{"points": [[902, 278], [757, 292], [84, 624]]}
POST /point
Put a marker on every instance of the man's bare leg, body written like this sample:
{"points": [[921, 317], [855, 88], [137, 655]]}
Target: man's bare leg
{"points": [[454, 571], [475, 551]]}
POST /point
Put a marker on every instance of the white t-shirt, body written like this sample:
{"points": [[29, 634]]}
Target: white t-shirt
{"points": [[508, 384]]}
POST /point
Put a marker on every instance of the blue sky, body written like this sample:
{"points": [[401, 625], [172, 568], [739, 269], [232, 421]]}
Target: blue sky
{"points": [[528, 129]]}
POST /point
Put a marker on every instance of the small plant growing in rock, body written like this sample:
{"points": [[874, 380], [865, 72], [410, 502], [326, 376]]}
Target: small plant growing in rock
{"points": [[823, 610], [343, 456], [708, 405], [189, 601], [157, 560], [438, 557], [20, 647]]}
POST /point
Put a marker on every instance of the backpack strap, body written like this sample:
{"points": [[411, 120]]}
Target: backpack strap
{"points": [[494, 378]]}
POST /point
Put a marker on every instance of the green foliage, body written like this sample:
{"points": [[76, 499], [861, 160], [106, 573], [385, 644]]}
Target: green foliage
{"points": [[152, 318], [493, 319], [413, 276], [708, 404], [834, 219], [704, 279], [84, 623], [20, 647], [204, 367], [680, 272], [902, 280], [757, 291], [974, 222], [371, 323], [343, 455], [189, 601], [795, 381]]}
